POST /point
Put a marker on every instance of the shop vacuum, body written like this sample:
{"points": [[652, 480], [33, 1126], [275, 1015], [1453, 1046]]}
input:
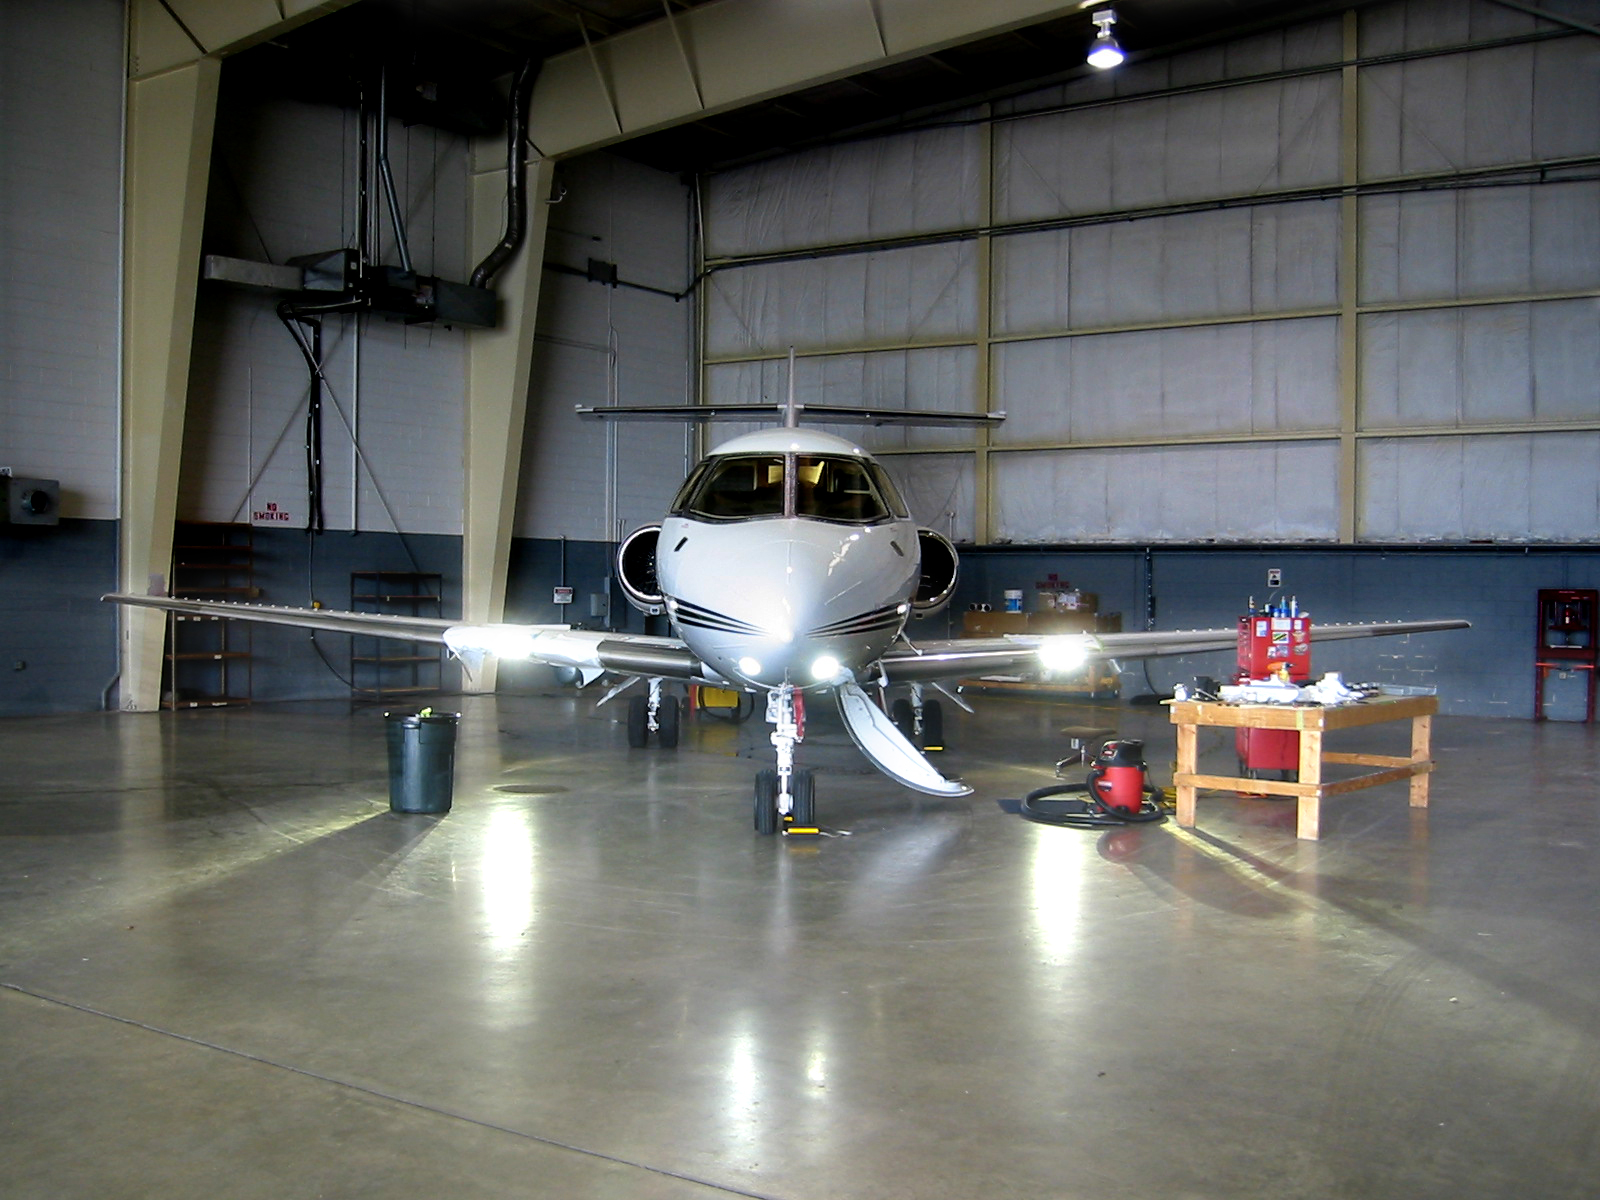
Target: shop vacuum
{"points": [[1118, 792]]}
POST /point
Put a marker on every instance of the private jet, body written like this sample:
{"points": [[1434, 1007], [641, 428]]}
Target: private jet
{"points": [[788, 566]]}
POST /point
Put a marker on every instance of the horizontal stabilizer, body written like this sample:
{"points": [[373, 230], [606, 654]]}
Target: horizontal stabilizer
{"points": [[829, 414], [876, 736]]}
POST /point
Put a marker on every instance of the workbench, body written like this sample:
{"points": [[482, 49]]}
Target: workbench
{"points": [[1311, 722]]}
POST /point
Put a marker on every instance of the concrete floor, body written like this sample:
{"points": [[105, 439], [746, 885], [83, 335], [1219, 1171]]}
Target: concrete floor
{"points": [[227, 970]]}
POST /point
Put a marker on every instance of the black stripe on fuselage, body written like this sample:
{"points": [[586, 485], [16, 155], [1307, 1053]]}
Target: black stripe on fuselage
{"points": [[704, 618], [882, 618]]}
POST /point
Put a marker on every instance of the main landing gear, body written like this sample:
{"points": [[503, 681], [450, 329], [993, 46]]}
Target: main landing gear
{"points": [[920, 720], [786, 797], [655, 713]]}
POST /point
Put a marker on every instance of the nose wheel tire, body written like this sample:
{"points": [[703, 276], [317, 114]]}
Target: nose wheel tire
{"points": [[802, 785], [767, 801]]}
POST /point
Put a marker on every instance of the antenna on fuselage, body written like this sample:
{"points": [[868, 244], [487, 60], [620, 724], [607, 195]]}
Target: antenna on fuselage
{"points": [[791, 410]]}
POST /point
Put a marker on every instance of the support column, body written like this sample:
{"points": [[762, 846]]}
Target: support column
{"points": [[499, 364], [982, 486], [170, 120], [1349, 283]]}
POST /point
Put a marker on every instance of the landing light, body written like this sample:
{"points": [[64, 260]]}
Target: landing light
{"points": [[509, 643], [749, 667], [825, 668], [1063, 653]]}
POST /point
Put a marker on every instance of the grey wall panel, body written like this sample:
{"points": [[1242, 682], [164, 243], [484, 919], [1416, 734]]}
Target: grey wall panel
{"points": [[1256, 137], [600, 345], [1506, 487], [1237, 492], [1494, 364], [1279, 376], [247, 408], [915, 183], [61, 73], [1230, 263], [1481, 242], [884, 296], [288, 170], [1506, 105]]}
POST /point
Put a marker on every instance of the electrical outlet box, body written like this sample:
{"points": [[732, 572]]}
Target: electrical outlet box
{"points": [[29, 501]]}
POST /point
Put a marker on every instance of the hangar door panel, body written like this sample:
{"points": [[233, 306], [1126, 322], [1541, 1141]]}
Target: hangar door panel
{"points": [[1283, 492], [1504, 105], [1504, 487], [941, 378], [1480, 242], [885, 296], [915, 183], [1250, 138], [1237, 262], [1488, 365], [939, 488], [1268, 377]]}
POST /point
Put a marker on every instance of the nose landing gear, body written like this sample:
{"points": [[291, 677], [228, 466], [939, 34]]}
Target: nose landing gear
{"points": [[786, 797]]}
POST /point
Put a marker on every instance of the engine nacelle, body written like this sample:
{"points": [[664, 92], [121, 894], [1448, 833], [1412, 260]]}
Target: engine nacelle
{"points": [[939, 566], [636, 569]]}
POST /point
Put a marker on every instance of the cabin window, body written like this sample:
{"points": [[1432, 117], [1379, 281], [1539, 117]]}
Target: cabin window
{"points": [[837, 489], [732, 488], [849, 490]]}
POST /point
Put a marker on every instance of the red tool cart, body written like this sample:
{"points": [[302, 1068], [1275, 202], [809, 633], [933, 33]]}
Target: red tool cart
{"points": [[1272, 646]]}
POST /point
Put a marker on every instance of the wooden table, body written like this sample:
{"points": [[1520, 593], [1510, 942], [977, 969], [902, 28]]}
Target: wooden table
{"points": [[1311, 722]]}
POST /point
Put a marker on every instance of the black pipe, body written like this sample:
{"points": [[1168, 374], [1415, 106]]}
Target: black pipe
{"points": [[516, 177], [314, 435]]}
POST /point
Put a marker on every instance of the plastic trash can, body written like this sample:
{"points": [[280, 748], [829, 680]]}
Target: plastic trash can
{"points": [[422, 760]]}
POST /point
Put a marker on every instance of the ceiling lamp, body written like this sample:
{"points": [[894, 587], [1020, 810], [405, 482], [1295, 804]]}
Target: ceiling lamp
{"points": [[1106, 52]]}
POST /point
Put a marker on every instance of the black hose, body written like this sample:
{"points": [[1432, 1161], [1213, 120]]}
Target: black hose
{"points": [[1086, 810], [516, 177]]}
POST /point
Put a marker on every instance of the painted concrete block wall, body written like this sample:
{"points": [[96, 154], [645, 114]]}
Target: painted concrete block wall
{"points": [[60, 210], [1484, 671], [57, 640], [600, 345], [296, 568]]}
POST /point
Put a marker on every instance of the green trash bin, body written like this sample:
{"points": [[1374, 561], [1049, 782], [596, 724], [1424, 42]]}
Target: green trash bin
{"points": [[422, 760]]}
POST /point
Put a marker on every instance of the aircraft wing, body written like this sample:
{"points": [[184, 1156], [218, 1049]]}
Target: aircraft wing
{"points": [[591, 651], [1027, 654]]}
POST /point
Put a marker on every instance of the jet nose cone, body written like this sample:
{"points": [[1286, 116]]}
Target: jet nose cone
{"points": [[793, 602]]}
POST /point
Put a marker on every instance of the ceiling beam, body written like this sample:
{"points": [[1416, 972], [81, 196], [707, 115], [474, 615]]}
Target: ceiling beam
{"points": [[728, 54], [163, 34]]}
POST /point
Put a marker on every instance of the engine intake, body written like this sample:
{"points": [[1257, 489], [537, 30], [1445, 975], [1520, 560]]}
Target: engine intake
{"points": [[938, 568], [636, 569]]}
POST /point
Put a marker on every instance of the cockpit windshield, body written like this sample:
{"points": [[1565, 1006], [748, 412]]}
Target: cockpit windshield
{"points": [[824, 487]]}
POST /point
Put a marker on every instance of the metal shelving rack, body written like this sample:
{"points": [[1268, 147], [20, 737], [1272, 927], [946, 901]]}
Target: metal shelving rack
{"points": [[381, 668], [208, 659]]}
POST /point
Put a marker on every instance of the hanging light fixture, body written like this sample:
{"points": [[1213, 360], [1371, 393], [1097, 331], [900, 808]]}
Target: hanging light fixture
{"points": [[1106, 51]]}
